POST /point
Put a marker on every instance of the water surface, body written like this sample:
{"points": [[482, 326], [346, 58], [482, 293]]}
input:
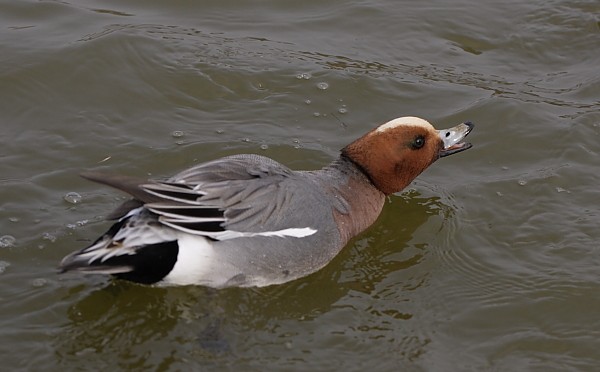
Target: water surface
{"points": [[488, 261]]}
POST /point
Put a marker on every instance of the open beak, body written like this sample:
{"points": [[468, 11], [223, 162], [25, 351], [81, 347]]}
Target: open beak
{"points": [[452, 138]]}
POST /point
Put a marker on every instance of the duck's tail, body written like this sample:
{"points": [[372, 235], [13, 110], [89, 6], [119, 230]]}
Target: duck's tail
{"points": [[129, 250]]}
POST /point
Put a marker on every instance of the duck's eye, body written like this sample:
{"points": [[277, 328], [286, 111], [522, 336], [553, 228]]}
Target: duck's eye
{"points": [[418, 142]]}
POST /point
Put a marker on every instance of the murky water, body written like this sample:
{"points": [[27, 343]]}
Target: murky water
{"points": [[488, 262]]}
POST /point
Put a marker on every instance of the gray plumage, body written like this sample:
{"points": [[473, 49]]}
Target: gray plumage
{"points": [[228, 200]]}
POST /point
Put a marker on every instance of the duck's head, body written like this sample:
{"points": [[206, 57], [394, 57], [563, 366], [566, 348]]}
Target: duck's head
{"points": [[395, 153]]}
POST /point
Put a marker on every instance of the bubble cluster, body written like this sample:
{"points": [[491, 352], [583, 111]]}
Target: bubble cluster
{"points": [[48, 236], [3, 266], [303, 76], [7, 241], [77, 224], [39, 282]]}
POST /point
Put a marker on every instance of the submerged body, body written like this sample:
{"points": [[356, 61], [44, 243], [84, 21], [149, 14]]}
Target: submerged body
{"points": [[246, 220]]}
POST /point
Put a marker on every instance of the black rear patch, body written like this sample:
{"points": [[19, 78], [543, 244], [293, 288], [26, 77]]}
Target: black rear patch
{"points": [[150, 263], [212, 226]]}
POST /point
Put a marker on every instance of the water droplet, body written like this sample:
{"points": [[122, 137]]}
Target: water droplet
{"points": [[296, 140], [13, 219], [308, 101], [72, 197], [39, 282], [177, 134], [7, 241], [522, 182], [220, 131], [264, 147], [322, 85], [3, 266], [342, 110], [245, 139], [316, 114]]}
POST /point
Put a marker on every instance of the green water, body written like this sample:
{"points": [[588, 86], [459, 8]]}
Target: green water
{"points": [[489, 261]]}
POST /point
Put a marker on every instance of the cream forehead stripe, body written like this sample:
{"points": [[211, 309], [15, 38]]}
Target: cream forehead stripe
{"points": [[406, 120]]}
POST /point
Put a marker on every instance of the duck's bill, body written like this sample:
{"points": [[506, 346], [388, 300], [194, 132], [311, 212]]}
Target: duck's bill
{"points": [[453, 138]]}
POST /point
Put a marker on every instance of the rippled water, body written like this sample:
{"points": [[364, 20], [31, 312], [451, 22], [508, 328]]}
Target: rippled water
{"points": [[489, 261]]}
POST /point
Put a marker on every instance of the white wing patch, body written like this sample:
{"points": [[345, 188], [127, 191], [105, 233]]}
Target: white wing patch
{"points": [[231, 234], [292, 232], [406, 120]]}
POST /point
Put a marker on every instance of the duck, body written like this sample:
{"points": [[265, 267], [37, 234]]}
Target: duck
{"points": [[248, 221]]}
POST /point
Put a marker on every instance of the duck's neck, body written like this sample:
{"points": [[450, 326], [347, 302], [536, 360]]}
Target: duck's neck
{"points": [[357, 202]]}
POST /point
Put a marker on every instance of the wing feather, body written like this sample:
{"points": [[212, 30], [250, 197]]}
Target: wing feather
{"points": [[224, 198]]}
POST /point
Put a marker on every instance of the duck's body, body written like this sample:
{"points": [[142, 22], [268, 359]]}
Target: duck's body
{"points": [[246, 220]]}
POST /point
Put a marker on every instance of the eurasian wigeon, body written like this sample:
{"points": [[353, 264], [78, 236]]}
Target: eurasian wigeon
{"points": [[246, 220]]}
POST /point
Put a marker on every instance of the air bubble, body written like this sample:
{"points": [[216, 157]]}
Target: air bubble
{"points": [[72, 197], [522, 182], [322, 85], [343, 110], [177, 134], [264, 147]]}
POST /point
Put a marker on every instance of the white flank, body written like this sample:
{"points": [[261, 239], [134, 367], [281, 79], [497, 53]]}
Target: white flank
{"points": [[195, 258], [407, 121]]}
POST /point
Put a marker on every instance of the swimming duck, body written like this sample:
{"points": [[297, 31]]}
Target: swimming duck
{"points": [[246, 220]]}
